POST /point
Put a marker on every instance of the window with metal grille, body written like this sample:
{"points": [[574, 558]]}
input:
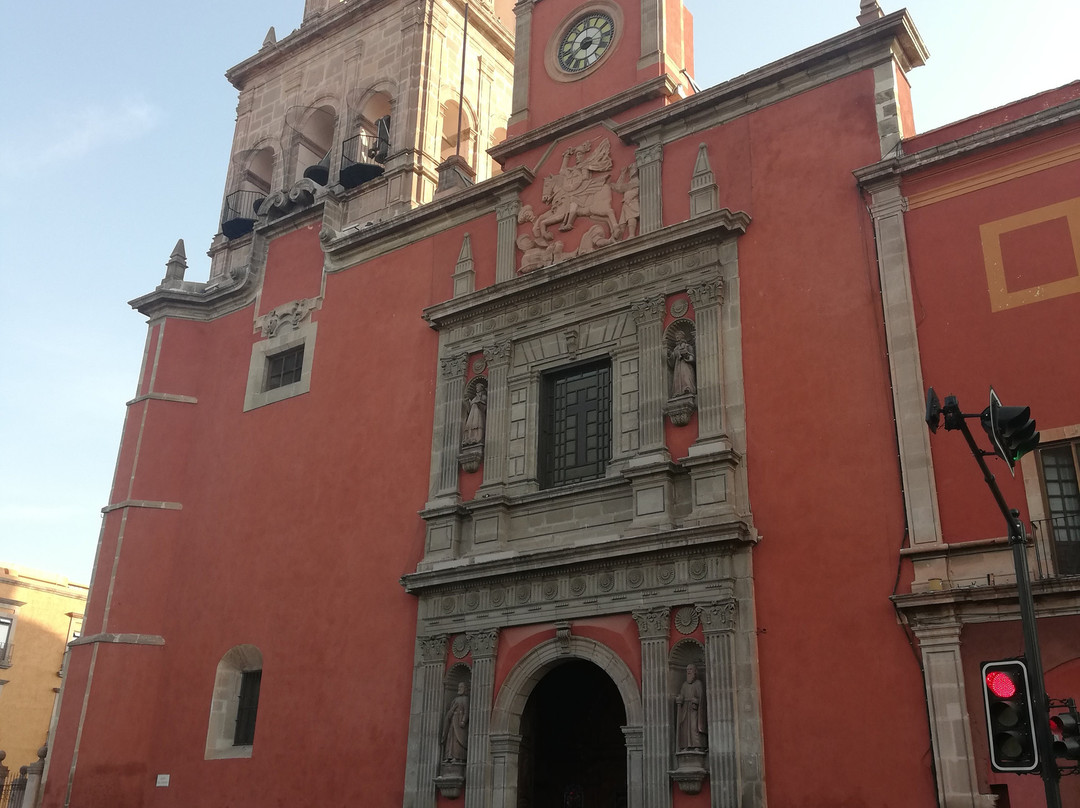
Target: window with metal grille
{"points": [[1059, 465], [575, 424], [284, 368], [247, 707]]}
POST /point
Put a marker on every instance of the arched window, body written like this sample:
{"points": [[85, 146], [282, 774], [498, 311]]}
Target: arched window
{"points": [[450, 137], [314, 140], [497, 137], [242, 204], [235, 704]]}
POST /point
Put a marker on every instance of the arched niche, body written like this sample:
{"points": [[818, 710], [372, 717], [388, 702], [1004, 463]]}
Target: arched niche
{"points": [[229, 686], [450, 136]]}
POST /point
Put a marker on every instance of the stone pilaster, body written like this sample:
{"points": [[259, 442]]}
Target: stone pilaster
{"points": [[484, 645], [905, 367], [950, 725], [506, 240], [649, 315], [452, 384], [519, 100], [653, 629], [649, 159], [505, 751], [635, 789], [422, 763], [707, 298], [497, 427], [718, 621]]}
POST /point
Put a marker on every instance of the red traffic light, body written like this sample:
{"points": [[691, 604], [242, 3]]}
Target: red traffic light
{"points": [[1001, 684]]}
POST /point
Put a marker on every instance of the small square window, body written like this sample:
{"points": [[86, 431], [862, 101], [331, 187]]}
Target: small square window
{"points": [[284, 368], [575, 418]]}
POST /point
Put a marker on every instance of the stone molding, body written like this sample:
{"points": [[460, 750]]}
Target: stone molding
{"points": [[649, 310], [292, 315], [483, 644], [719, 617], [453, 367]]}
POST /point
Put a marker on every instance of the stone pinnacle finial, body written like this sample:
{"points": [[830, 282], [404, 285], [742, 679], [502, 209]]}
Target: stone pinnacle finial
{"points": [[177, 264], [869, 10], [271, 38]]}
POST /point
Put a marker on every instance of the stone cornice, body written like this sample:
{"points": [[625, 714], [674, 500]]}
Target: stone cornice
{"points": [[989, 604], [325, 25], [892, 36], [483, 571], [355, 244], [999, 135], [647, 247], [659, 87]]}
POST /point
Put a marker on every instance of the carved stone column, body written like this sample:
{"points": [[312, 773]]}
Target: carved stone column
{"points": [[497, 427], [484, 645], [707, 298], [718, 622], [649, 315], [650, 187], [422, 762], [449, 424], [653, 630], [506, 214], [950, 725]]}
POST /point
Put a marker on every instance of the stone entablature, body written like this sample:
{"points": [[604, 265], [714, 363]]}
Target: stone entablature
{"points": [[581, 581]]}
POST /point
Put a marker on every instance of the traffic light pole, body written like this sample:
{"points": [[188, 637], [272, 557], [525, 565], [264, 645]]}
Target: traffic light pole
{"points": [[1044, 741]]}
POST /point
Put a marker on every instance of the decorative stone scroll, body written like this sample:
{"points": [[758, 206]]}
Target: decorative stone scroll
{"points": [[583, 189], [680, 344], [288, 315]]}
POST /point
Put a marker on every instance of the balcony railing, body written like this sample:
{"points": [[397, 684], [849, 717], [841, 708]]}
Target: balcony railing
{"points": [[360, 157], [241, 208], [1057, 545], [6, 651]]}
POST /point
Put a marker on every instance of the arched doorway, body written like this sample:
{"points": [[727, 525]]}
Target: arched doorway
{"points": [[573, 753]]}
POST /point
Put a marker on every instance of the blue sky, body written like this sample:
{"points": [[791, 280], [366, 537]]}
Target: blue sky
{"points": [[114, 142]]}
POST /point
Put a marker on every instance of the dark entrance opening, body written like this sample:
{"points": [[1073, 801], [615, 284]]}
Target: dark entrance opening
{"points": [[573, 754]]}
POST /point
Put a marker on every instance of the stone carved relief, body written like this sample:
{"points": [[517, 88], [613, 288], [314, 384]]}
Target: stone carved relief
{"points": [[581, 190], [472, 431], [289, 315], [680, 345]]}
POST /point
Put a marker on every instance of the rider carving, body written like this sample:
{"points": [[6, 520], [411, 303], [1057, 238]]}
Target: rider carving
{"points": [[581, 189]]}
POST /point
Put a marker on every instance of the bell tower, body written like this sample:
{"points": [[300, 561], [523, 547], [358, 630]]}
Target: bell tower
{"points": [[570, 54]]}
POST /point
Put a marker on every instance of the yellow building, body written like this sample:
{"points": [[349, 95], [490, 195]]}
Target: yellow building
{"points": [[39, 614]]}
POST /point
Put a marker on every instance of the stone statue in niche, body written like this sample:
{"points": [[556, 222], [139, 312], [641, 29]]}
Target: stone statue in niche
{"points": [[472, 430], [582, 189], [691, 713], [455, 734], [681, 357], [682, 360], [629, 186]]}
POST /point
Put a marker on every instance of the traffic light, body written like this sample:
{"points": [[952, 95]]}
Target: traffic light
{"points": [[1010, 724], [1011, 430], [1065, 728]]}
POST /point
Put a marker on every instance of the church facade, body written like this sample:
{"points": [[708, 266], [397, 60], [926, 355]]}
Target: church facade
{"points": [[549, 431]]}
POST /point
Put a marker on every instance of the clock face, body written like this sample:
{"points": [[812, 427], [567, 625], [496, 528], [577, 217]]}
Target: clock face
{"points": [[587, 40]]}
